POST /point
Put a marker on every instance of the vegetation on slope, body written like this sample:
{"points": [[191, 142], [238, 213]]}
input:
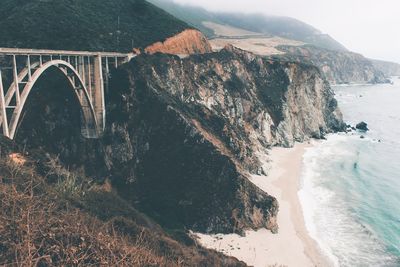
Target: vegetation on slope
{"points": [[97, 25], [51, 216]]}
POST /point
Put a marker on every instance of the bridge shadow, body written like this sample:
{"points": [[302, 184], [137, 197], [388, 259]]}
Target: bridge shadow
{"points": [[51, 120]]}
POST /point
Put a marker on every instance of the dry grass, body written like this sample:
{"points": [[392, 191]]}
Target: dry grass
{"points": [[50, 216], [36, 230]]}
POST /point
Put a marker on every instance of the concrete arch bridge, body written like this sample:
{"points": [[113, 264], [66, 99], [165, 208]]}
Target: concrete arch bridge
{"points": [[87, 72]]}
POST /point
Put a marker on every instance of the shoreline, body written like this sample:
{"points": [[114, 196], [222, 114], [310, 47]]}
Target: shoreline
{"points": [[292, 245], [290, 184]]}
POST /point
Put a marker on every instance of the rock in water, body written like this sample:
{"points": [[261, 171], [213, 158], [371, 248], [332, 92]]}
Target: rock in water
{"points": [[362, 126]]}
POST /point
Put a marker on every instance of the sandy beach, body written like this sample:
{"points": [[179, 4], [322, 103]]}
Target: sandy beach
{"points": [[292, 246]]}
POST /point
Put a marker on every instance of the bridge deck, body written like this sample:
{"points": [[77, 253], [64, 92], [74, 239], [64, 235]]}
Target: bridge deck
{"points": [[19, 51]]}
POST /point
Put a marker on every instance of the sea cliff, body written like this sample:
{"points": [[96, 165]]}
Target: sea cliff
{"points": [[339, 67], [182, 140], [184, 133]]}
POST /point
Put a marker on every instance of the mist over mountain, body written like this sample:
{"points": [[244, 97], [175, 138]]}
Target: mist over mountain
{"points": [[269, 25], [267, 35], [388, 68]]}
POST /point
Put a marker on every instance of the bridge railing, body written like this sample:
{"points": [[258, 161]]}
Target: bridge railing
{"points": [[22, 51]]}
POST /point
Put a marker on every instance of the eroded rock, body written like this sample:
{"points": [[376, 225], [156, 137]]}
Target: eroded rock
{"points": [[182, 135], [188, 42], [195, 125], [362, 126]]}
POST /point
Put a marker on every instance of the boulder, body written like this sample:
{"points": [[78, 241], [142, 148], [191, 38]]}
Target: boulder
{"points": [[362, 126]]}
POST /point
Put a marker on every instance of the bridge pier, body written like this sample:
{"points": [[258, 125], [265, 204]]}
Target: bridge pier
{"points": [[98, 96]]}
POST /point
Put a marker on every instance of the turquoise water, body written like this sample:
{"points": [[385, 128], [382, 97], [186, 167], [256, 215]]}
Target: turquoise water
{"points": [[351, 186]]}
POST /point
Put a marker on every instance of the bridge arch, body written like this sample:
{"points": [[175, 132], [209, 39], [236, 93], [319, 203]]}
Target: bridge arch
{"points": [[89, 123], [87, 72]]}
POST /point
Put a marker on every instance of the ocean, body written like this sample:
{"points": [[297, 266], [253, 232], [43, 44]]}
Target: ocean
{"points": [[350, 190]]}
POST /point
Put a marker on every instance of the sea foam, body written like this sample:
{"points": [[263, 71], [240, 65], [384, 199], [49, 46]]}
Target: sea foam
{"points": [[330, 198]]}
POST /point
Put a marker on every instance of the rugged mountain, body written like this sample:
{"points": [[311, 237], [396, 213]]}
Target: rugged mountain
{"points": [[388, 68], [257, 33], [269, 25], [338, 67], [70, 213], [182, 137], [202, 121], [117, 25]]}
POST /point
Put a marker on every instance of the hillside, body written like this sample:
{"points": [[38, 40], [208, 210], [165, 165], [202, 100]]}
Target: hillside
{"points": [[250, 41], [339, 67], [182, 129], [388, 68], [51, 216], [53, 211], [284, 27], [264, 35], [183, 138], [98, 25]]}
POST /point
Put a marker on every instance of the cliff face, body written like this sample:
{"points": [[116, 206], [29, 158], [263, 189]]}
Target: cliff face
{"points": [[388, 68], [339, 67], [184, 133], [185, 43]]}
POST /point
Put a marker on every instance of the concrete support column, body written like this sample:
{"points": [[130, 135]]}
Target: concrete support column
{"points": [[89, 70], [16, 82], [28, 63], [98, 94], [3, 115]]}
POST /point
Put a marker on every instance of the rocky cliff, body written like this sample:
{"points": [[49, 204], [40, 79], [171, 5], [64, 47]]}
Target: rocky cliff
{"points": [[388, 68], [182, 137], [183, 134], [185, 43], [339, 67]]}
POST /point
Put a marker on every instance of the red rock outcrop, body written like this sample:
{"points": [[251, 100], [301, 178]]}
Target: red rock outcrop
{"points": [[185, 43]]}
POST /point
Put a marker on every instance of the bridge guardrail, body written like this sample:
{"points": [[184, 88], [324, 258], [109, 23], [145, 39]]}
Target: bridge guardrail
{"points": [[23, 51]]}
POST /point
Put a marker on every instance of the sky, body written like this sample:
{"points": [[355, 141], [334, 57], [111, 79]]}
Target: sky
{"points": [[369, 27]]}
